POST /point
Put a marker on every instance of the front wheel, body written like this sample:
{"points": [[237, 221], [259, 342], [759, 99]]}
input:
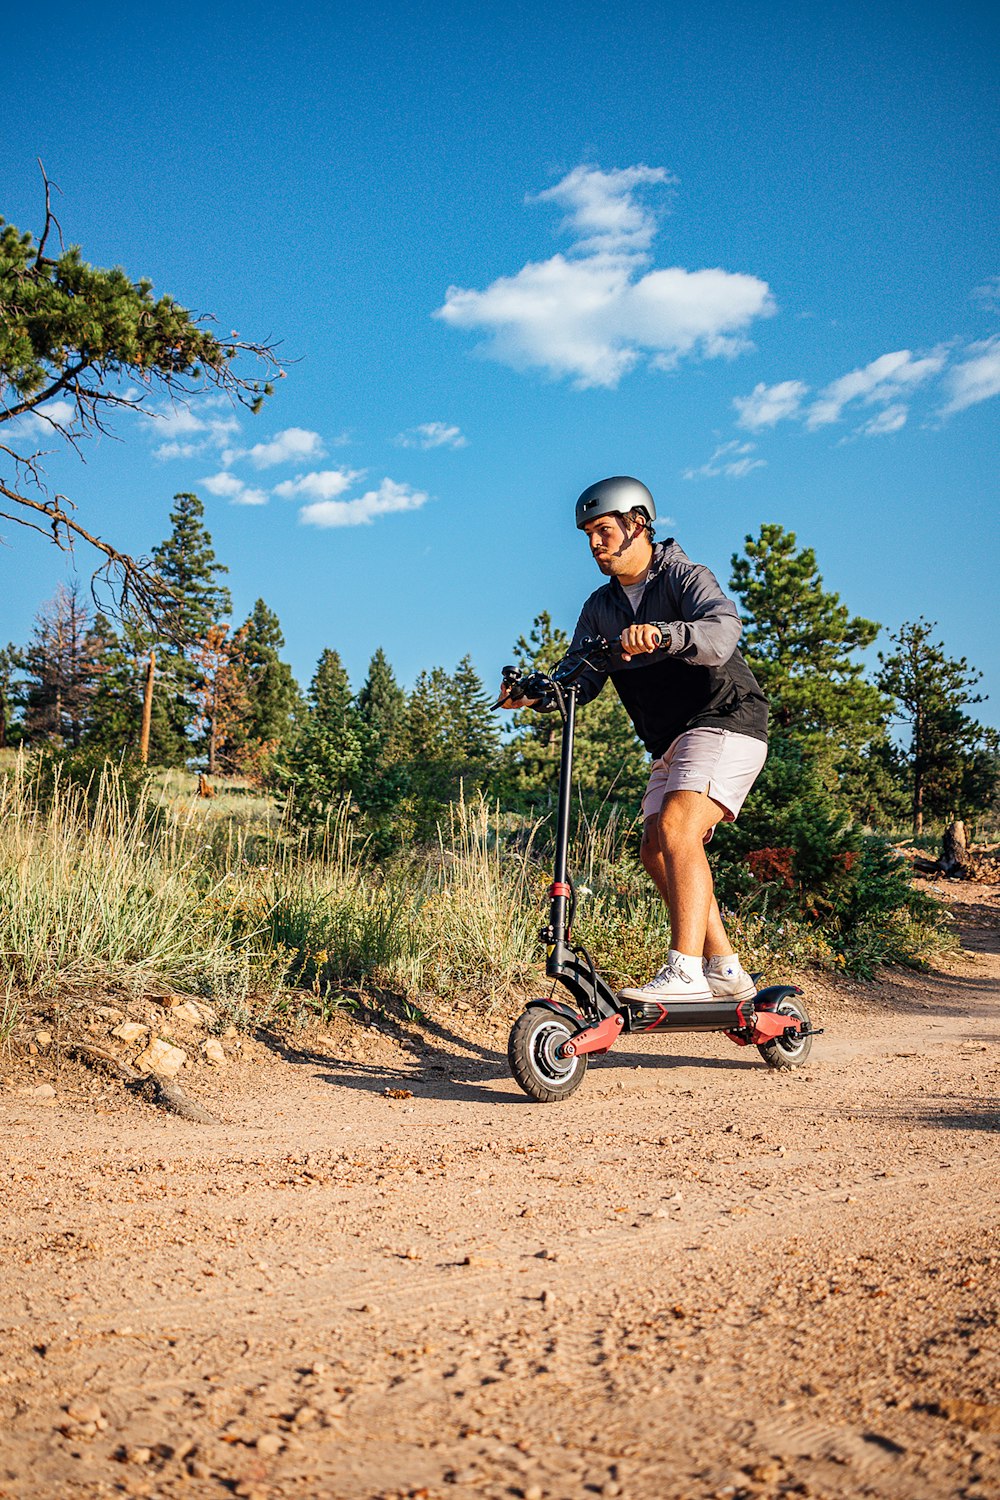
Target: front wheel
{"points": [[533, 1053], [790, 1050]]}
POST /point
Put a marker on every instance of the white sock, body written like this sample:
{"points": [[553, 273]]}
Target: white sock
{"points": [[690, 966], [725, 965]]}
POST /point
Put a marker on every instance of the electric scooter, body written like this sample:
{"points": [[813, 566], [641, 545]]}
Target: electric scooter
{"points": [[550, 1044]]}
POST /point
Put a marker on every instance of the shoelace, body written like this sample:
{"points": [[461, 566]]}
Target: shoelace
{"points": [[669, 971]]}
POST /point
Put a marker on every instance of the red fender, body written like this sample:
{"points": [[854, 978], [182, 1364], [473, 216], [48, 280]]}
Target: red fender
{"points": [[599, 1038]]}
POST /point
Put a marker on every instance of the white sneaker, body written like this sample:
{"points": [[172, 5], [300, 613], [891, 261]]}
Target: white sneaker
{"points": [[727, 979], [672, 982]]}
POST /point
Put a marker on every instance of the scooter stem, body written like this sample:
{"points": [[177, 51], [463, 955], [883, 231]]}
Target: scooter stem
{"points": [[560, 900]]}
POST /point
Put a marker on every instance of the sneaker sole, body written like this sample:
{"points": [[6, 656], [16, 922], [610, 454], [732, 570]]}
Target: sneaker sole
{"points": [[747, 993]]}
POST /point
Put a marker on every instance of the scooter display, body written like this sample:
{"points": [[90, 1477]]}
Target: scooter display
{"points": [[550, 1044]]}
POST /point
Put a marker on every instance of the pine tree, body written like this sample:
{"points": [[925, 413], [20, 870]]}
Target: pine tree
{"points": [[610, 765], [83, 343], [471, 733], [186, 562], [382, 706], [952, 759], [8, 659], [272, 693], [325, 761], [805, 648], [115, 718], [59, 670]]}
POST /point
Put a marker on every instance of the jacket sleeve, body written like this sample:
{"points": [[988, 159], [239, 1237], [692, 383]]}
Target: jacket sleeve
{"points": [[708, 630], [592, 679]]}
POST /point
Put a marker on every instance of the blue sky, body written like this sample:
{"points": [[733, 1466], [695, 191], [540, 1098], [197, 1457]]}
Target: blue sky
{"points": [[748, 253]]}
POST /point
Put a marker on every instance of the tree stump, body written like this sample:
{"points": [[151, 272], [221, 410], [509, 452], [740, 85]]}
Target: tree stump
{"points": [[954, 850]]}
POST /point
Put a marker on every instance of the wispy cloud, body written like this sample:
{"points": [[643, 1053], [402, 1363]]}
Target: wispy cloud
{"points": [[604, 211], [190, 429], [988, 295], [975, 379], [321, 484], [879, 383], [432, 435], [596, 313], [290, 446], [891, 419], [730, 461], [769, 404], [388, 498]]}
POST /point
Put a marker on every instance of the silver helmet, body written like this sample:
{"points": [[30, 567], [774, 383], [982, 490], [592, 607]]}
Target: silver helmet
{"points": [[615, 496]]}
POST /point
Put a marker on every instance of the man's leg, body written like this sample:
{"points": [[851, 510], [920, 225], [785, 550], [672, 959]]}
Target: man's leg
{"points": [[717, 944], [680, 867]]}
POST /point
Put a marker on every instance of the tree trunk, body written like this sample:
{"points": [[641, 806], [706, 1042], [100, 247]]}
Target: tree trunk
{"points": [[147, 709]]}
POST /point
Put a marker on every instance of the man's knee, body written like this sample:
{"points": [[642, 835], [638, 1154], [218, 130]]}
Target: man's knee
{"points": [[684, 820]]}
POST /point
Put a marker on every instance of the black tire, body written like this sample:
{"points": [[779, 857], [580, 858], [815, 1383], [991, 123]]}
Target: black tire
{"points": [[532, 1052], [792, 1050]]}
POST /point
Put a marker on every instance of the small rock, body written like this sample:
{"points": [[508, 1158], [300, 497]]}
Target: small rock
{"points": [[109, 1013], [304, 1416], [138, 1455], [160, 1057], [44, 1039], [130, 1031], [214, 1052], [186, 1011], [83, 1410], [230, 1032], [269, 1444], [532, 1492], [43, 1091]]}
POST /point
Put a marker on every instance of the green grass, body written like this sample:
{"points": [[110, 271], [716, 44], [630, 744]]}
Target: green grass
{"points": [[103, 889]]}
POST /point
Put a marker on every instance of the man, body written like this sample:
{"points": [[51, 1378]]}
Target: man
{"points": [[697, 708]]}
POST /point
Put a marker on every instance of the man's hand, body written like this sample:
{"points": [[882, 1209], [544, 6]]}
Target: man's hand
{"points": [[506, 701], [638, 640]]}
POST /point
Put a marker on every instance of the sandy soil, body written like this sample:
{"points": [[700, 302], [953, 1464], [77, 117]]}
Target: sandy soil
{"points": [[696, 1278]]}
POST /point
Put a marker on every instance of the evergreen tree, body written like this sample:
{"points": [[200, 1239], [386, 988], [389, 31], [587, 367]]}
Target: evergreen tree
{"points": [[382, 706], [383, 780], [471, 732], [804, 647], [272, 693], [610, 765], [8, 659], [325, 761], [59, 667], [115, 719], [951, 759], [198, 601], [90, 342]]}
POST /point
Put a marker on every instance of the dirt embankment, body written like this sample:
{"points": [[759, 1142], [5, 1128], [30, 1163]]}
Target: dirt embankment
{"points": [[696, 1278]]}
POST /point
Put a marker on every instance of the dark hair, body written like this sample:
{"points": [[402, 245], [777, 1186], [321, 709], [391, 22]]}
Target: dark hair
{"points": [[638, 514]]}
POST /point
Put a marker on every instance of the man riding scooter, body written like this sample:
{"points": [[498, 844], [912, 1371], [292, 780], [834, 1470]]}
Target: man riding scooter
{"points": [[697, 708]]}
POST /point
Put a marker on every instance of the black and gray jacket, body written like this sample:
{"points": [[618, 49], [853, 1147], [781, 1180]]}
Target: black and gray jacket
{"points": [[698, 678]]}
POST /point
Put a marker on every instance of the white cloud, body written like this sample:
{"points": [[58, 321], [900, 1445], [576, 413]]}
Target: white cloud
{"points": [[322, 484], [880, 383], [389, 497], [730, 461], [189, 432], [976, 379], [889, 420], [284, 447], [768, 404], [59, 412], [596, 313], [230, 488], [605, 214], [988, 294], [432, 435]]}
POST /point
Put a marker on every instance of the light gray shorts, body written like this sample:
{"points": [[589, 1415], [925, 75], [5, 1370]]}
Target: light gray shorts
{"points": [[716, 761]]}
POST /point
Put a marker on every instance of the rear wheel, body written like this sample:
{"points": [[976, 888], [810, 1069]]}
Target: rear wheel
{"points": [[790, 1050], [533, 1053]]}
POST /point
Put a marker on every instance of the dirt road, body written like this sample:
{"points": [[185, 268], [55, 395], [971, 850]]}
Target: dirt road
{"points": [[696, 1278]]}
